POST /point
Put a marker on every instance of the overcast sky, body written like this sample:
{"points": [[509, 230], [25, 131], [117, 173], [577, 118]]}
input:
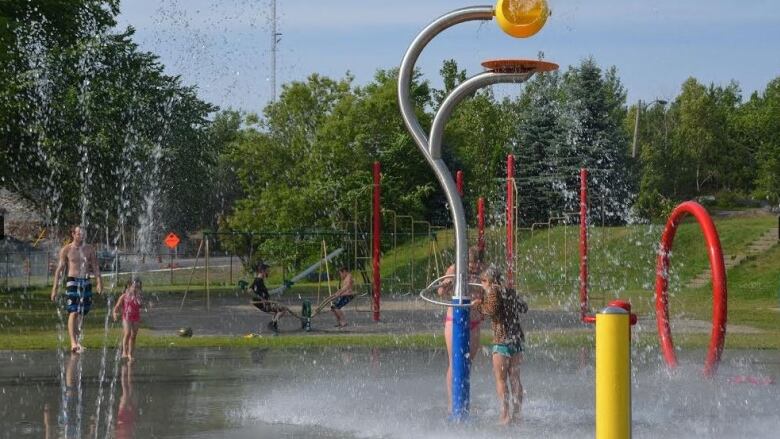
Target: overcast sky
{"points": [[224, 46]]}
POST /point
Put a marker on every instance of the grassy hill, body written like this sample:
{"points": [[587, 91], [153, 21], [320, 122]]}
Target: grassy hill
{"points": [[621, 265]]}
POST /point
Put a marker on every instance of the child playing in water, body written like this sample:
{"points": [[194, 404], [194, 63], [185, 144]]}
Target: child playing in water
{"points": [[504, 307], [130, 302], [446, 289]]}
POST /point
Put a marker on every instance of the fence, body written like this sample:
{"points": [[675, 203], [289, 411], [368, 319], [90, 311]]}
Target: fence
{"points": [[35, 268], [25, 269]]}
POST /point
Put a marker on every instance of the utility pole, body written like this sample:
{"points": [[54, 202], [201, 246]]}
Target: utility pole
{"points": [[274, 43], [636, 122], [636, 129]]}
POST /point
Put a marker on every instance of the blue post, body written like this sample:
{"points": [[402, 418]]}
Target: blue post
{"points": [[460, 361]]}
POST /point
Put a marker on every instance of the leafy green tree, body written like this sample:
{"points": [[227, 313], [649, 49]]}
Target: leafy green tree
{"points": [[765, 116], [479, 135], [696, 132], [93, 130], [307, 164]]}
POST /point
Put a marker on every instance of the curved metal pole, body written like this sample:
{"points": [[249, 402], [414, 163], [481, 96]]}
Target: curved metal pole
{"points": [[460, 315], [460, 338], [461, 92], [406, 69], [405, 73]]}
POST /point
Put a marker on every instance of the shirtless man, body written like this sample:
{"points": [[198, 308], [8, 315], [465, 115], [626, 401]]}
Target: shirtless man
{"points": [[81, 260], [342, 297]]}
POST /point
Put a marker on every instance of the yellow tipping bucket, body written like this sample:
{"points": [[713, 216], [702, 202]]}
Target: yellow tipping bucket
{"points": [[521, 18]]}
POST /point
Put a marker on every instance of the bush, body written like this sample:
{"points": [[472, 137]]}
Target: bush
{"points": [[734, 200]]}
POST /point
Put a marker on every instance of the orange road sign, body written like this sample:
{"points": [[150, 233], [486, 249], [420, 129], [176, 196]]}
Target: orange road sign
{"points": [[171, 241]]}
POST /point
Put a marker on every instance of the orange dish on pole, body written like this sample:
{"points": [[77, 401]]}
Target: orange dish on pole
{"points": [[518, 66]]}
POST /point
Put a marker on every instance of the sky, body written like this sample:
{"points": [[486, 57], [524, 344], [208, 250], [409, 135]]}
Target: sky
{"points": [[224, 46]]}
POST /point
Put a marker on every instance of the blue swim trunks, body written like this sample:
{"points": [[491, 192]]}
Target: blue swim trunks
{"points": [[341, 302], [508, 350], [79, 292]]}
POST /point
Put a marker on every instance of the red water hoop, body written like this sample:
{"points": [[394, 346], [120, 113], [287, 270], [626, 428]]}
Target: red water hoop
{"points": [[718, 270]]}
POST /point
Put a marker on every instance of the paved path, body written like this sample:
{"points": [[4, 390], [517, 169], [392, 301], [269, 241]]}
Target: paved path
{"points": [[232, 315]]}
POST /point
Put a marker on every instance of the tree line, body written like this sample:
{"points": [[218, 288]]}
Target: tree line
{"points": [[93, 129]]}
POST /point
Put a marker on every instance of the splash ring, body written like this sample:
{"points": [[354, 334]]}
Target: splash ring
{"points": [[435, 284], [719, 288]]}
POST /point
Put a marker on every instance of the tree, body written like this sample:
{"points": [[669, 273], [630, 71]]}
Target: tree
{"points": [[475, 138], [697, 133], [93, 131], [765, 116], [537, 140], [307, 164], [593, 108]]}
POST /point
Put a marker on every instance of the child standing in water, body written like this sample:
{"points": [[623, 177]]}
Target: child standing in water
{"points": [[130, 303], [504, 307]]}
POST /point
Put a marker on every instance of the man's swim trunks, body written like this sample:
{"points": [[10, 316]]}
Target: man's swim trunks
{"points": [[341, 302], [79, 291]]}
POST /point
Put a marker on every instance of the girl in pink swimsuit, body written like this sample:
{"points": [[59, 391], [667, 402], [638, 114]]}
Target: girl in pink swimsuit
{"points": [[446, 289], [130, 303]]}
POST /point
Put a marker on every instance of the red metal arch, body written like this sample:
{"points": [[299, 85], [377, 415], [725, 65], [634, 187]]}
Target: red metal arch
{"points": [[718, 270]]}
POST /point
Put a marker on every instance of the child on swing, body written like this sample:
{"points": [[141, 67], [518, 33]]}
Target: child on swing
{"points": [[262, 298], [130, 303]]}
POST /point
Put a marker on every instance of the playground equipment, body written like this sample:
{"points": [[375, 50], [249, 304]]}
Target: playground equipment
{"points": [[718, 273], [307, 271], [360, 237], [519, 21], [719, 293]]}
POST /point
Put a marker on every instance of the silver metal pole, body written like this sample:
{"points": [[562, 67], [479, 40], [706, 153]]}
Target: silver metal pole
{"points": [[484, 13]]}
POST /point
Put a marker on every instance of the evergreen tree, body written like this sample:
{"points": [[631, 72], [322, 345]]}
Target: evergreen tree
{"points": [[592, 112], [536, 146]]}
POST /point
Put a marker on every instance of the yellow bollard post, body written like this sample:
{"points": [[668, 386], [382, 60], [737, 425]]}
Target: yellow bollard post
{"points": [[613, 374]]}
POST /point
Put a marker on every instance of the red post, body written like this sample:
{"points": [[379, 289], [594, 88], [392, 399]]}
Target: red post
{"points": [[481, 225], [377, 290], [510, 221], [459, 182], [583, 243]]}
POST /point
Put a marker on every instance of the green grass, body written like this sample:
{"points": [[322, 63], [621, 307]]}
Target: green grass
{"points": [[753, 294], [536, 340], [621, 259]]}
